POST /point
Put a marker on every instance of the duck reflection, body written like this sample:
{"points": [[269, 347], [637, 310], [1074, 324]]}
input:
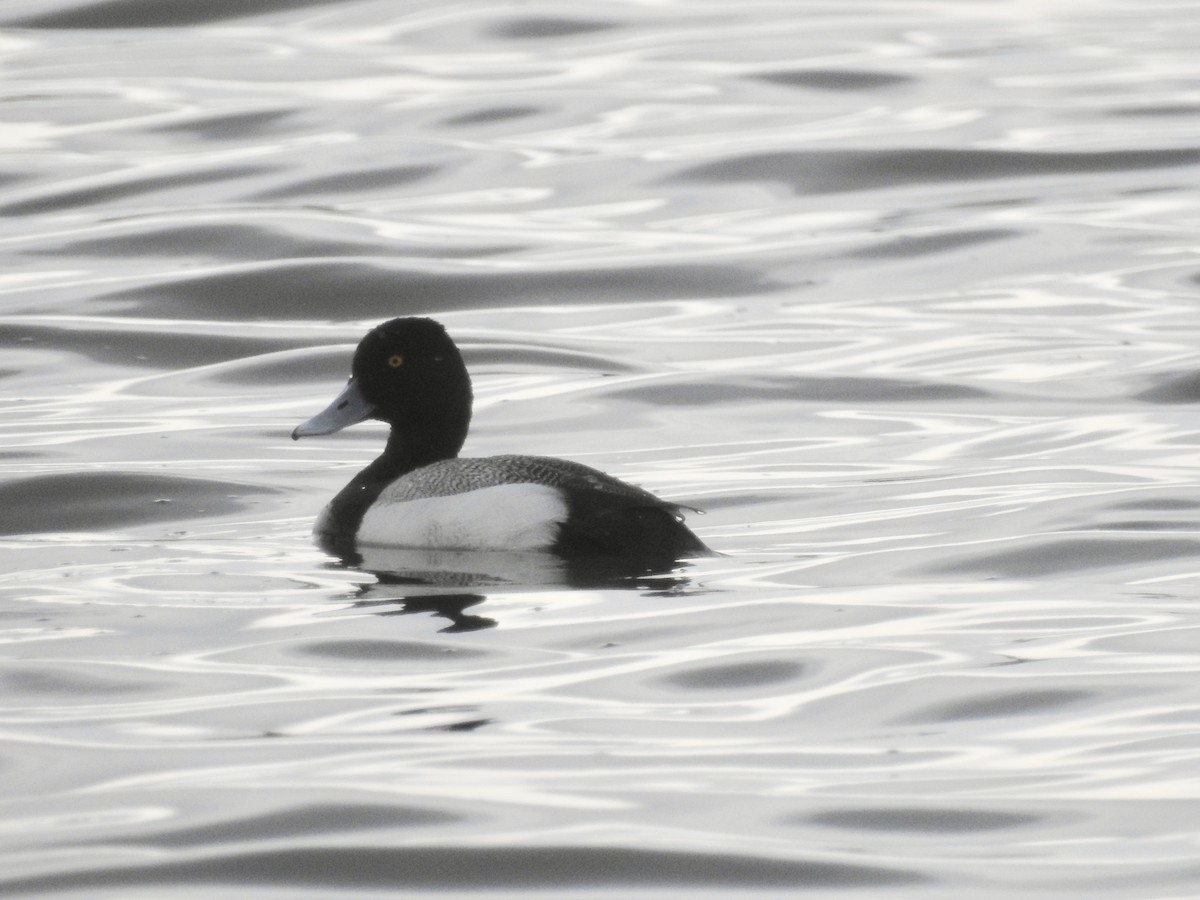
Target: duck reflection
{"points": [[446, 583], [446, 606]]}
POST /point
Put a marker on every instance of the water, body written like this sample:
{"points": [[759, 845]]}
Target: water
{"points": [[901, 294]]}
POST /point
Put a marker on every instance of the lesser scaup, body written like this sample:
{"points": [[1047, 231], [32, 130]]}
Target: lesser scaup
{"points": [[421, 493]]}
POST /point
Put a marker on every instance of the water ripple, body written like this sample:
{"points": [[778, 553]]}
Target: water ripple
{"points": [[902, 296]]}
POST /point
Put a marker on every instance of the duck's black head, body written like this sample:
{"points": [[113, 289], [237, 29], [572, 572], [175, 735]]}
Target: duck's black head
{"points": [[408, 373]]}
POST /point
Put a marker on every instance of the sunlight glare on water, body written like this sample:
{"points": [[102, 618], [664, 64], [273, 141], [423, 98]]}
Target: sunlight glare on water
{"points": [[901, 295]]}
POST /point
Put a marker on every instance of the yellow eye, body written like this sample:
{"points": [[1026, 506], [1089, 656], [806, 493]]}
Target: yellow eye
{"points": [[396, 361]]}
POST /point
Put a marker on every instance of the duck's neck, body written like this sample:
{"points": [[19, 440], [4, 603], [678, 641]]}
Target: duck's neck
{"points": [[412, 449]]}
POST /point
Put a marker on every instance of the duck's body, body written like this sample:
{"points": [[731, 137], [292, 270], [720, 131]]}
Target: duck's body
{"points": [[419, 493]]}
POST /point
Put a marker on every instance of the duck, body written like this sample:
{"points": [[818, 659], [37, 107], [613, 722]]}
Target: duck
{"points": [[419, 493]]}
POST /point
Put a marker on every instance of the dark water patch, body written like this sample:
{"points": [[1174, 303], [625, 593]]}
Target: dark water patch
{"points": [[240, 241], [232, 241], [1151, 514], [1174, 388], [738, 499], [8, 179], [437, 710], [103, 14], [511, 358], [1018, 702], [1055, 557], [344, 182], [357, 868], [88, 501], [336, 289], [330, 366], [919, 819], [815, 390], [385, 651], [539, 27], [817, 172], [53, 201], [1166, 110], [495, 114], [302, 822], [44, 681], [1164, 504], [466, 725], [736, 676], [229, 126], [157, 349], [1144, 525], [833, 79], [924, 245]]}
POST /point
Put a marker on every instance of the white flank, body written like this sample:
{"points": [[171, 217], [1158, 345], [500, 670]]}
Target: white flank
{"points": [[504, 517]]}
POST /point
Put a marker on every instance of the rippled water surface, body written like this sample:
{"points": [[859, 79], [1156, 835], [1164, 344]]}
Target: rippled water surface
{"points": [[903, 294]]}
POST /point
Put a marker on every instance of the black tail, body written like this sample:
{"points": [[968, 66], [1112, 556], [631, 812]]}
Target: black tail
{"points": [[603, 527]]}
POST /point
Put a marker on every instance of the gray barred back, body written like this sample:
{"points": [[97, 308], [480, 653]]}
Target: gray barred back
{"points": [[459, 475]]}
